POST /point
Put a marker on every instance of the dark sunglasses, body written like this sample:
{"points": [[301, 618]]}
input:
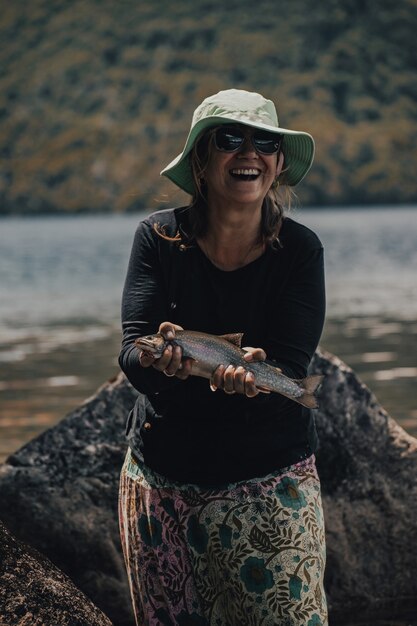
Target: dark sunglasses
{"points": [[231, 138]]}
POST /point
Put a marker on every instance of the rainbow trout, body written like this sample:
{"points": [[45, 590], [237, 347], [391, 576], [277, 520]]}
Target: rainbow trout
{"points": [[210, 351]]}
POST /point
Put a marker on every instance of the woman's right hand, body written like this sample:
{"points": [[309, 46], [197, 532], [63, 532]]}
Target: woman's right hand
{"points": [[170, 363]]}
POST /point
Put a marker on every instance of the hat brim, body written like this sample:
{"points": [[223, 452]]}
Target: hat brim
{"points": [[297, 146]]}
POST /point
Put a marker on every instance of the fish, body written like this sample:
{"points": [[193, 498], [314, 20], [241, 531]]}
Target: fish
{"points": [[209, 351]]}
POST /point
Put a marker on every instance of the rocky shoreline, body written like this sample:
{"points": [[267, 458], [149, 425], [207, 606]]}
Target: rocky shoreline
{"points": [[58, 495]]}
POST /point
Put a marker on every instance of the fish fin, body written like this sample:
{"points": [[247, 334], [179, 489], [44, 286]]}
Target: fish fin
{"points": [[308, 399], [235, 338], [263, 389], [310, 384]]}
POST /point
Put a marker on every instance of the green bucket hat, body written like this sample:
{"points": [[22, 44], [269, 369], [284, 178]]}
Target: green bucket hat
{"points": [[251, 109]]}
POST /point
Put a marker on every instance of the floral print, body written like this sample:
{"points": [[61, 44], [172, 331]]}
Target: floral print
{"points": [[289, 494], [256, 576], [251, 554], [197, 535], [150, 530]]}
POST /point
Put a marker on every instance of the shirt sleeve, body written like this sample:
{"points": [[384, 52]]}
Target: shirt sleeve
{"points": [[144, 307], [298, 314]]}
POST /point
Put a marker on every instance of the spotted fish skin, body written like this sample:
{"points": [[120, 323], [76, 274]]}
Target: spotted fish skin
{"points": [[210, 351]]}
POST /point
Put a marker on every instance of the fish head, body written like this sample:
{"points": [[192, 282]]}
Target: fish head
{"points": [[153, 345]]}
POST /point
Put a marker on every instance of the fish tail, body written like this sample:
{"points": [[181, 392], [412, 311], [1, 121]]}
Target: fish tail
{"points": [[310, 385]]}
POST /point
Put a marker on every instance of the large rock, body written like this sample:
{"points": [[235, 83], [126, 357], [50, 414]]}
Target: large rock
{"points": [[33, 592], [59, 493], [368, 469]]}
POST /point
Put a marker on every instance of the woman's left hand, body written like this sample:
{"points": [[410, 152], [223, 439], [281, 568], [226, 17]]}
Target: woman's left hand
{"points": [[236, 379]]}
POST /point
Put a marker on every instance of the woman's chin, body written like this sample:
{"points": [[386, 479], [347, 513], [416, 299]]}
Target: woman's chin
{"points": [[247, 192]]}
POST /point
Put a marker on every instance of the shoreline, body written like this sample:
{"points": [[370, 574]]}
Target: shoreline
{"points": [[48, 376]]}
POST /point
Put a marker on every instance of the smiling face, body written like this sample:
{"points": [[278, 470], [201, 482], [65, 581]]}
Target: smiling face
{"points": [[242, 177]]}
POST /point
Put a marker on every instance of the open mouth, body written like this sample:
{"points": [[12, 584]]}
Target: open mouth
{"points": [[247, 173]]}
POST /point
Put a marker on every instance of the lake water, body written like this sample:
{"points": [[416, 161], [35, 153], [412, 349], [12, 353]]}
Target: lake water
{"points": [[61, 280]]}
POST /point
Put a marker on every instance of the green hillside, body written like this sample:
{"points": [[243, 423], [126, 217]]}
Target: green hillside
{"points": [[96, 96]]}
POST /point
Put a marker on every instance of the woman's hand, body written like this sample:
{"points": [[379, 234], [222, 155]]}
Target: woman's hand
{"points": [[236, 379], [170, 362]]}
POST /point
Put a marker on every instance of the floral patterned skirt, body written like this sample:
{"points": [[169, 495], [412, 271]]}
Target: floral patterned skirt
{"points": [[251, 554]]}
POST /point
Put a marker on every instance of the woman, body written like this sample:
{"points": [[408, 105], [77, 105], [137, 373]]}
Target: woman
{"points": [[220, 508]]}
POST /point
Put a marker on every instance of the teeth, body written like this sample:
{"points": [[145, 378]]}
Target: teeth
{"points": [[246, 172]]}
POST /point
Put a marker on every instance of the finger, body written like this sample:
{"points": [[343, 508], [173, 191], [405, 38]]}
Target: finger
{"points": [[229, 379], [254, 354], [216, 381], [250, 389], [185, 369], [175, 362], [145, 359], [167, 330], [239, 379]]}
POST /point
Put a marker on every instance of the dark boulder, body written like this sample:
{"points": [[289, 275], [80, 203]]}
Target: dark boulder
{"points": [[59, 493], [368, 469], [33, 592]]}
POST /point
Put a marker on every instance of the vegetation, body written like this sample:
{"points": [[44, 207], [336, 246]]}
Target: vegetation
{"points": [[96, 96]]}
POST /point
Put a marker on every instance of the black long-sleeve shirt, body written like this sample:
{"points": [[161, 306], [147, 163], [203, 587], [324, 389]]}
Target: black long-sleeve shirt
{"points": [[277, 301]]}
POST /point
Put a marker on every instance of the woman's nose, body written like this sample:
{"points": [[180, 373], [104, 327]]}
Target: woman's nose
{"points": [[247, 147]]}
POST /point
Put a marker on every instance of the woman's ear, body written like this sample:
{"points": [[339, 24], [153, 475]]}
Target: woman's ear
{"points": [[280, 163]]}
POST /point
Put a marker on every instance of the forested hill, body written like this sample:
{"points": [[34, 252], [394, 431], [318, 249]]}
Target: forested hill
{"points": [[96, 96]]}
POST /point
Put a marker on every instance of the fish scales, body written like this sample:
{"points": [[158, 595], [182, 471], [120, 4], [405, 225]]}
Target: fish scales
{"points": [[210, 351]]}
